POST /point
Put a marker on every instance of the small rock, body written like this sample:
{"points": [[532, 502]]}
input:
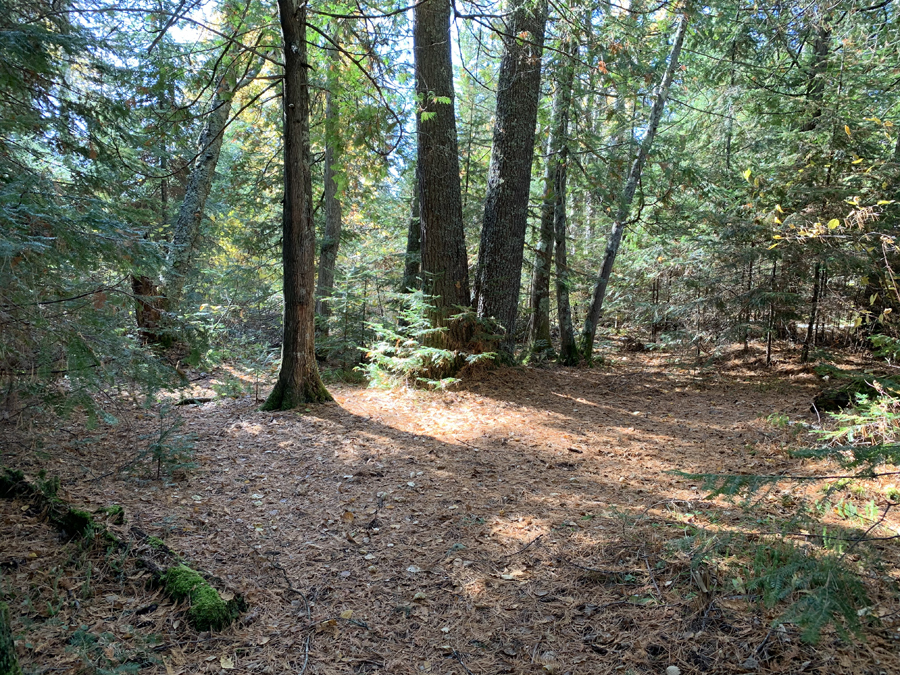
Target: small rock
{"points": [[673, 670], [750, 664]]}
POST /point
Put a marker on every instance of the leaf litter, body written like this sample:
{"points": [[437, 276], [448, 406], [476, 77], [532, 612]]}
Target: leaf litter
{"points": [[523, 524]]}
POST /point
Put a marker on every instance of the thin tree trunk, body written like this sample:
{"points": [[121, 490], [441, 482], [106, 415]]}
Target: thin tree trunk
{"points": [[331, 239], [811, 327], [298, 381], [190, 215], [499, 273], [413, 258], [627, 196], [568, 350], [541, 344], [445, 268], [771, 322]]}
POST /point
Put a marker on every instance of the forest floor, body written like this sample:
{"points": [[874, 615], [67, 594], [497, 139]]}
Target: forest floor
{"points": [[528, 522]]}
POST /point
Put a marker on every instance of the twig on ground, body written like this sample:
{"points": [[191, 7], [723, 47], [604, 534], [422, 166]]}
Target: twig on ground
{"points": [[521, 550]]}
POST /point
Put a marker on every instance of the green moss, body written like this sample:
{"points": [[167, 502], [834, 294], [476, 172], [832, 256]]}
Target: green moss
{"points": [[157, 543], [75, 522], [116, 512], [208, 611]]}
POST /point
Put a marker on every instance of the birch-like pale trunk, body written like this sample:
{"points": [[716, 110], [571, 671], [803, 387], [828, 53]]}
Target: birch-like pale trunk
{"points": [[627, 195], [190, 215]]}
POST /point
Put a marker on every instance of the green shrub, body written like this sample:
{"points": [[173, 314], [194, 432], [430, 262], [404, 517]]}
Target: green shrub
{"points": [[401, 354]]}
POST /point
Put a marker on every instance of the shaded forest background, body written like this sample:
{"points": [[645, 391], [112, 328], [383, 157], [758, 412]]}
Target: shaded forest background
{"points": [[143, 185]]}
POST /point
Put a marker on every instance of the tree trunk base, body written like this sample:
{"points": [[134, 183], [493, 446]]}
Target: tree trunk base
{"points": [[291, 395]]}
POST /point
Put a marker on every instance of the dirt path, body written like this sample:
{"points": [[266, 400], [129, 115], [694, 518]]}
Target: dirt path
{"points": [[526, 524]]}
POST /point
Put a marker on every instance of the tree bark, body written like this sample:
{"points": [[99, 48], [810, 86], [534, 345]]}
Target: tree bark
{"points": [[298, 381], [810, 328], [190, 214], [445, 268], [541, 343], [627, 196], [499, 272], [413, 257], [331, 239], [568, 350]]}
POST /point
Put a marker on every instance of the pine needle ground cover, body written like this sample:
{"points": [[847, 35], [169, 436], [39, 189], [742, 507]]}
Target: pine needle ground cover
{"points": [[527, 523]]}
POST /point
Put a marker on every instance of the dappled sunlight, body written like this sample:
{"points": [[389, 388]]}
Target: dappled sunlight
{"points": [[503, 527]]}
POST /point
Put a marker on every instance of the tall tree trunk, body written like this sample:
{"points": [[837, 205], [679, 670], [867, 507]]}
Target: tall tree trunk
{"points": [[568, 350], [445, 268], [298, 381], [627, 196], [413, 258], [333, 221], [771, 321], [810, 328], [193, 206], [499, 271], [815, 88], [541, 344]]}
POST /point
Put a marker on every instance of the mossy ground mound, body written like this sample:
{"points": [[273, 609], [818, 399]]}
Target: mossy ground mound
{"points": [[209, 611]]}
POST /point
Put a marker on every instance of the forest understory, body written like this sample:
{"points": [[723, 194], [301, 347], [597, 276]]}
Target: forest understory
{"points": [[527, 522]]}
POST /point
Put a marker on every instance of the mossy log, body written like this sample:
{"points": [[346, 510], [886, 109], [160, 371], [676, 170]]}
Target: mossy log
{"points": [[209, 610], [72, 522], [9, 662]]}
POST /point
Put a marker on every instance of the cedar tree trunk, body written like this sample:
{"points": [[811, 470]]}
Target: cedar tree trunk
{"points": [[298, 380]]}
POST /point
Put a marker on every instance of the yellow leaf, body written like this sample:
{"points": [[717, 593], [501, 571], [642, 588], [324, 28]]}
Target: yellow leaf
{"points": [[774, 245], [347, 614], [226, 663], [777, 220], [873, 298], [847, 131], [834, 223], [747, 174], [778, 208], [777, 236], [858, 160], [885, 202]]}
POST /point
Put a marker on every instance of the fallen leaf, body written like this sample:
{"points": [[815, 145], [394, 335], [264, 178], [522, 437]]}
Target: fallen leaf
{"points": [[226, 663]]}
